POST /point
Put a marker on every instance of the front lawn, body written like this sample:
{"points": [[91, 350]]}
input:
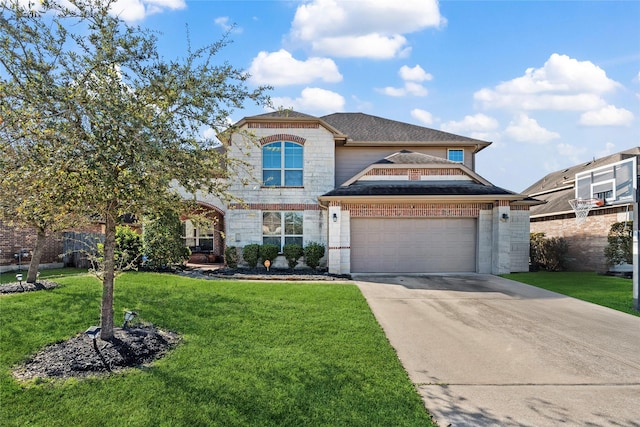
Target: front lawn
{"points": [[253, 354], [608, 291]]}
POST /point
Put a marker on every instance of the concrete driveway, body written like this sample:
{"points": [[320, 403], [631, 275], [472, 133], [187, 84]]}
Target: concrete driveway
{"points": [[487, 351]]}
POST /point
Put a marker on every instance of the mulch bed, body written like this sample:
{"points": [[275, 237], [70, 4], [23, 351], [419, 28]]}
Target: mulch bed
{"points": [[261, 273], [81, 356], [15, 287]]}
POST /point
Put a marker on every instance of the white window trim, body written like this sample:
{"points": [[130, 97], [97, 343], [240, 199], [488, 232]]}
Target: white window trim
{"points": [[282, 169]]}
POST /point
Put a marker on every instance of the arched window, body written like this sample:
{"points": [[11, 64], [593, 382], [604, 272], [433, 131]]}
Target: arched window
{"points": [[282, 164]]}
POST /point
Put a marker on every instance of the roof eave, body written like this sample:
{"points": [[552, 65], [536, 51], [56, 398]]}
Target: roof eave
{"points": [[479, 145], [519, 198]]}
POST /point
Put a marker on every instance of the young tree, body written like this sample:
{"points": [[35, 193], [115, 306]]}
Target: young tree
{"points": [[130, 121]]}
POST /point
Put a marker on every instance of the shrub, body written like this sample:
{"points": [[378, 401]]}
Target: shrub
{"points": [[128, 248], [535, 251], [619, 249], [163, 242], [269, 252], [312, 254], [231, 256], [127, 255], [292, 253], [251, 254], [549, 253]]}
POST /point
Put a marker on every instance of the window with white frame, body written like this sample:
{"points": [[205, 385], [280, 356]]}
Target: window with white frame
{"points": [[455, 155], [282, 164], [282, 228], [197, 239]]}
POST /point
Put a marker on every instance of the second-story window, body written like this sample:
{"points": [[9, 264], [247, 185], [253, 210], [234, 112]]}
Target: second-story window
{"points": [[282, 164], [456, 155]]}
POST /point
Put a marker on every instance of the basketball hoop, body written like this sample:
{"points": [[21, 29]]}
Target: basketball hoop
{"points": [[582, 207]]}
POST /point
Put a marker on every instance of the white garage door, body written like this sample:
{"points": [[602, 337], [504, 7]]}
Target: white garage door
{"points": [[385, 245]]}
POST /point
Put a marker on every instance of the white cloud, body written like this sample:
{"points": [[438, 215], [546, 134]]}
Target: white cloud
{"points": [[476, 123], [373, 29], [393, 91], [313, 100], [373, 46], [281, 68], [562, 83], [137, 10], [607, 116], [422, 116], [478, 126], [410, 88], [415, 74], [526, 129], [412, 78]]}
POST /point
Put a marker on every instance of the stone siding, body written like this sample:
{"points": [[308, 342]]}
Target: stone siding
{"points": [[244, 220]]}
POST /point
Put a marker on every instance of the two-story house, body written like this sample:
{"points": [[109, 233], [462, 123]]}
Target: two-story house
{"points": [[381, 195]]}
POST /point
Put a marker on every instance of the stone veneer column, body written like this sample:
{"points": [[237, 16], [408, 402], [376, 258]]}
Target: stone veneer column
{"points": [[501, 259], [334, 241]]}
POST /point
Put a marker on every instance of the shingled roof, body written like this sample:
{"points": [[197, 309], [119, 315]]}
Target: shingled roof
{"points": [[473, 187], [418, 188], [558, 187], [367, 128]]}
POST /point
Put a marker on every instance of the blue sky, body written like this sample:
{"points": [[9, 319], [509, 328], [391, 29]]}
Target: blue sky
{"points": [[550, 83]]}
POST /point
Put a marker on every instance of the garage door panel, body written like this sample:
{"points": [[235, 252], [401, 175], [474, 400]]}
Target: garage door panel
{"points": [[413, 245]]}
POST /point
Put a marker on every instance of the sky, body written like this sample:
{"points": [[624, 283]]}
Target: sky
{"points": [[550, 83]]}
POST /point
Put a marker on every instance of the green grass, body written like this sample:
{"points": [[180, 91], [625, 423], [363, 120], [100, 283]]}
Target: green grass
{"points": [[253, 354], [10, 276], [608, 291]]}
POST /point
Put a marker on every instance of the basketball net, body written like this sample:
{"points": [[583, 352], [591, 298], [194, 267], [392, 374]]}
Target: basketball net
{"points": [[582, 207]]}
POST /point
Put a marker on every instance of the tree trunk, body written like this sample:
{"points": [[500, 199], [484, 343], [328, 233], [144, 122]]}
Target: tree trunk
{"points": [[32, 275], [106, 315]]}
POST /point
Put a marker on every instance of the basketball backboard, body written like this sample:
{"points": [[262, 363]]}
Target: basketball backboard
{"points": [[615, 183]]}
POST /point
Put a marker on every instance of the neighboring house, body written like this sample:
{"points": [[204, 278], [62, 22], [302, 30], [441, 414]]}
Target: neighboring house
{"points": [[16, 245], [381, 195], [556, 218]]}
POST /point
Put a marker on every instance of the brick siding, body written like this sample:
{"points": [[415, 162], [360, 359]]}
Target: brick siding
{"points": [[14, 239], [586, 241]]}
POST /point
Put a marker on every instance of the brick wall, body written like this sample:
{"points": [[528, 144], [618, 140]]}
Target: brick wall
{"points": [[586, 241], [14, 239]]}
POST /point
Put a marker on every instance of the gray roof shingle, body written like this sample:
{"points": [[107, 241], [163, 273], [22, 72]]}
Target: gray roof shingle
{"points": [[368, 128], [418, 188]]}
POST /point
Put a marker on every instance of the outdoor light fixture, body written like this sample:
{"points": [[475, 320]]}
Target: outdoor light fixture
{"points": [[19, 278], [128, 316], [505, 216], [93, 332], [335, 217]]}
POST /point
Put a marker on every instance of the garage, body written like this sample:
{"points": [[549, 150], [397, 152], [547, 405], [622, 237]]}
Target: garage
{"points": [[413, 245]]}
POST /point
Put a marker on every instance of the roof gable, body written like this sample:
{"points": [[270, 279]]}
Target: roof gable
{"points": [[406, 166]]}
